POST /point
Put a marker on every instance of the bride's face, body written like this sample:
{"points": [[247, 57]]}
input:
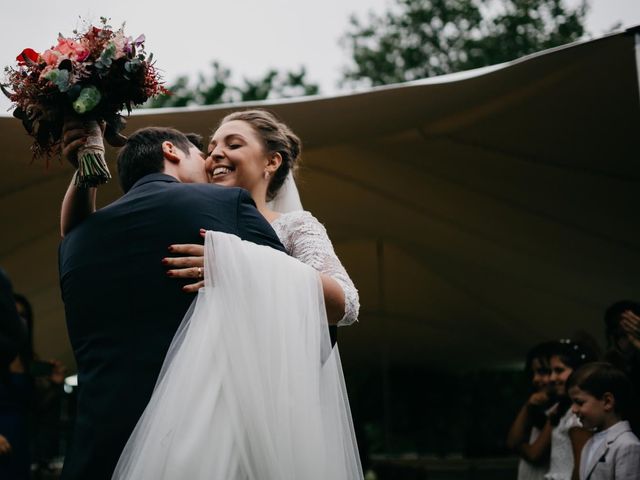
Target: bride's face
{"points": [[237, 157]]}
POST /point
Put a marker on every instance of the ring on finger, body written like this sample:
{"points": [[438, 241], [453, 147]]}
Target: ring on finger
{"points": [[200, 274]]}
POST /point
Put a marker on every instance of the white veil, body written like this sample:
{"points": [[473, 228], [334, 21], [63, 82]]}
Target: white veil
{"points": [[287, 199], [250, 388]]}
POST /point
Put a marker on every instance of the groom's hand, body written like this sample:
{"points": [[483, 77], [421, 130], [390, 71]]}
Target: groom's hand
{"points": [[189, 265]]}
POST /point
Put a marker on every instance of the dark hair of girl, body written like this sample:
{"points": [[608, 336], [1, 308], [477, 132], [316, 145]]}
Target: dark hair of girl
{"points": [[573, 354], [540, 352]]}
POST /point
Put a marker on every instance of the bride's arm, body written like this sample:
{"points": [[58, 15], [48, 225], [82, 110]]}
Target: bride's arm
{"points": [[78, 203], [310, 244], [192, 259], [334, 300]]}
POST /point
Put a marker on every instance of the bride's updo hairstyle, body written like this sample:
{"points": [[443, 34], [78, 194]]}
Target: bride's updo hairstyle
{"points": [[277, 137]]}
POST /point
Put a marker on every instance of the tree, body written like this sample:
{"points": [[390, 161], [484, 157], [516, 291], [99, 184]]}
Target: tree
{"points": [[423, 38], [217, 88], [277, 85]]}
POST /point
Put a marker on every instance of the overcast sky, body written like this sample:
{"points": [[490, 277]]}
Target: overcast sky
{"points": [[248, 36]]}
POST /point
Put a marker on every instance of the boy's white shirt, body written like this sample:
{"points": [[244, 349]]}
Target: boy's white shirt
{"points": [[594, 445]]}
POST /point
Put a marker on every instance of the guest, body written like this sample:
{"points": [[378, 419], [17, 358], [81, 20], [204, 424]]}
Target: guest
{"points": [[601, 396], [567, 434], [622, 328], [12, 331], [44, 409], [531, 418], [14, 389]]}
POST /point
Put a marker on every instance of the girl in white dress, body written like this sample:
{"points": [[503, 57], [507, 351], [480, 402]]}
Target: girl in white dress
{"points": [[568, 437], [562, 437], [529, 422]]}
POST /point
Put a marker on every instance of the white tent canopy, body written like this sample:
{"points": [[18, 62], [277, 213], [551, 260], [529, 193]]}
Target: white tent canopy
{"points": [[478, 213]]}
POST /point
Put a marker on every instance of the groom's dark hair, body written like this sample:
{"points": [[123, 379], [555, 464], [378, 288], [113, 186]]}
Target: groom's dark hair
{"points": [[142, 154]]}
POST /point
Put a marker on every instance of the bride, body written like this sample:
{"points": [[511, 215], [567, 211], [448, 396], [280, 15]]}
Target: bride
{"points": [[253, 150], [251, 387]]}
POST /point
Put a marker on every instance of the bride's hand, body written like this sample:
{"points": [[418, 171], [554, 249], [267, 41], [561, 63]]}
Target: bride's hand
{"points": [[189, 265], [74, 136]]}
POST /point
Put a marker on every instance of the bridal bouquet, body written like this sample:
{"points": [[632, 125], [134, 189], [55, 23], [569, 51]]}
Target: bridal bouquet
{"points": [[92, 75]]}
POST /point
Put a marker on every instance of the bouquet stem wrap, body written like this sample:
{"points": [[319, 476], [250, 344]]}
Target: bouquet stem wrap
{"points": [[92, 166]]}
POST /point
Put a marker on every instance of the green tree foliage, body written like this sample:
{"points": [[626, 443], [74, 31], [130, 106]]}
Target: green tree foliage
{"points": [[217, 87], [277, 85], [423, 38]]}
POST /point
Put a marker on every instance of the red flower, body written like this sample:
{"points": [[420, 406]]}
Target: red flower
{"points": [[28, 55]]}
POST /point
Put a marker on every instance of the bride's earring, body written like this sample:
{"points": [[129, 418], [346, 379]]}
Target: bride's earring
{"points": [[266, 175]]}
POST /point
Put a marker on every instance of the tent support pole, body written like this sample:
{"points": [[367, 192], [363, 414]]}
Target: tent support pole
{"points": [[386, 380]]}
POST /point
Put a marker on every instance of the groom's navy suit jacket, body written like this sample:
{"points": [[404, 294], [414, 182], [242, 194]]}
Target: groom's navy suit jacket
{"points": [[121, 308]]}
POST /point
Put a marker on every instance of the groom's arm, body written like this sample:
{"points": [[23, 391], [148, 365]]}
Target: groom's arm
{"points": [[252, 226]]}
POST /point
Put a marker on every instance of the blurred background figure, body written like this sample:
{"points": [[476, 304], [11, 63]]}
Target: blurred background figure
{"points": [[30, 396], [568, 437], [12, 331], [14, 388], [44, 407], [531, 418], [622, 329]]}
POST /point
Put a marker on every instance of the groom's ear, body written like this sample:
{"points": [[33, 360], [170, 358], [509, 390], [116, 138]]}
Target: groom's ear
{"points": [[170, 152]]}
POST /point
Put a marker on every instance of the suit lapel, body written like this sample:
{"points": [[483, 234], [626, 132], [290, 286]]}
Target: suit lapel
{"points": [[595, 459], [612, 434]]}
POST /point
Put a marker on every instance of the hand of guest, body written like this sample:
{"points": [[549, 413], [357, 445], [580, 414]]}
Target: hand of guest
{"points": [[553, 413], [189, 265], [5, 446], [58, 373], [630, 323], [538, 399]]}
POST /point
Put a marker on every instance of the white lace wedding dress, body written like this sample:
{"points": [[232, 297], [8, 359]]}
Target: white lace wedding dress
{"points": [[251, 388], [306, 239]]}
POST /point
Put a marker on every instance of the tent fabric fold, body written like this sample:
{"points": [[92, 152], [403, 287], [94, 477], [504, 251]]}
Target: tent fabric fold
{"points": [[478, 213]]}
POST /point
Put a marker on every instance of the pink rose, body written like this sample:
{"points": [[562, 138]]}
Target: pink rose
{"points": [[72, 49], [121, 43], [51, 58]]}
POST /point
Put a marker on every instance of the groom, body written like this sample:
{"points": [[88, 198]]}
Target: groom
{"points": [[121, 308]]}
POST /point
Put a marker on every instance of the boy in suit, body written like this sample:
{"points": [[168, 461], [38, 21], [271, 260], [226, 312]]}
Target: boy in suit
{"points": [[601, 394]]}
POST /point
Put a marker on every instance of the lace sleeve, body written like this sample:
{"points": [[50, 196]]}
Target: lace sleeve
{"points": [[306, 239]]}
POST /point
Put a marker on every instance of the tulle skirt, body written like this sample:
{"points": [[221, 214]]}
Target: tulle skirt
{"points": [[250, 387]]}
